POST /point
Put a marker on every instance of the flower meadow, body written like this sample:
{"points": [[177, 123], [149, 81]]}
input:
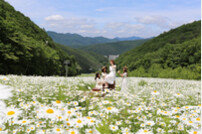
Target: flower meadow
{"points": [[59, 105]]}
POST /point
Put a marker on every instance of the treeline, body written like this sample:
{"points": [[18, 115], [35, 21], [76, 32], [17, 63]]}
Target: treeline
{"points": [[114, 48], [174, 54], [27, 49], [88, 61]]}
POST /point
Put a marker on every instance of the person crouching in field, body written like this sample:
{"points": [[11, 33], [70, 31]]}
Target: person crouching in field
{"points": [[124, 76], [99, 82]]}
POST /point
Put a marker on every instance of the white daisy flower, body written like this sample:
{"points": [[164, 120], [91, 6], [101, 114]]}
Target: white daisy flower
{"points": [[113, 127]]}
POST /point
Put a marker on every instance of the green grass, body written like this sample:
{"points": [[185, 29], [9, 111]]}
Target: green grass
{"points": [[86, 75]]}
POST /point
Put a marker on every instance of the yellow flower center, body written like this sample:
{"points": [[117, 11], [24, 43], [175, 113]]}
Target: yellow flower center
{"points": [[88, 117], [24, 121], [49, 111], [198, 119], [190, 122], [177, 116], [109, 108], [72, 132], [194, 132], [1, 129], [145, 131], [58, 129], [68, 124], [11, 113], [58, 102], [69, 112], [59, 117], [155, 91], [79, 121], [90, 131]]}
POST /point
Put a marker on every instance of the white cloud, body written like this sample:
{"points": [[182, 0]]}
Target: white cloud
{"points": [[159, 21], [54, 18], [110, 20], [70, 25], [100, 9], [90, 27]]}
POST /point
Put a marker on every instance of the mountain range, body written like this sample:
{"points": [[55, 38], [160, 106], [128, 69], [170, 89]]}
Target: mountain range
{"points": [[77, 41], [128, 38]]}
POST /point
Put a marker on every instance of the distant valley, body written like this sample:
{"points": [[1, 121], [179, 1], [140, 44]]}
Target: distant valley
{"points": [[114, 48]]}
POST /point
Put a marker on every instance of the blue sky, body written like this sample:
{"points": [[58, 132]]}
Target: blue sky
{"points": [[110, 18]]}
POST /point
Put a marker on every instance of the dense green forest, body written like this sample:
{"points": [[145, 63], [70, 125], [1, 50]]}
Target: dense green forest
{"points": [[27, 49], [76, 40], [173, 54], [128, 38], [89, 62], [113, 48]]}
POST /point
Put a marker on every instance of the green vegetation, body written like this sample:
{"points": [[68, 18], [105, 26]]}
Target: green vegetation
{"points": [[89, 62], [174, 54], [113, 48], [87, 75], [142, 83], [27, 49], [75, 40]]}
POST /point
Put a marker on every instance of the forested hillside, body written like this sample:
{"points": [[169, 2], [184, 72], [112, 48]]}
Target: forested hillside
{"points": [[89, 62], [128, 38], [114, 48], [76, 41], [27, 49], [173, 54]]}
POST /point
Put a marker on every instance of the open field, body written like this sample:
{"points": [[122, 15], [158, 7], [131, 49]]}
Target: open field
{"points": [[54, 105]]}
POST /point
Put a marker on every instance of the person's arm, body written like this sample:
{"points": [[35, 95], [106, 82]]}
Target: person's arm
{"points": [[120, 74]]}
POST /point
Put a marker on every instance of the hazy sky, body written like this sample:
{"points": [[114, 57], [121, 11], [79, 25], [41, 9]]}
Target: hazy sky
{"points": [[110, 18]]}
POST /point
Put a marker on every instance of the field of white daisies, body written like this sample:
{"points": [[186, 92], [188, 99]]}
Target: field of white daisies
{"points": [[52, 105]]}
